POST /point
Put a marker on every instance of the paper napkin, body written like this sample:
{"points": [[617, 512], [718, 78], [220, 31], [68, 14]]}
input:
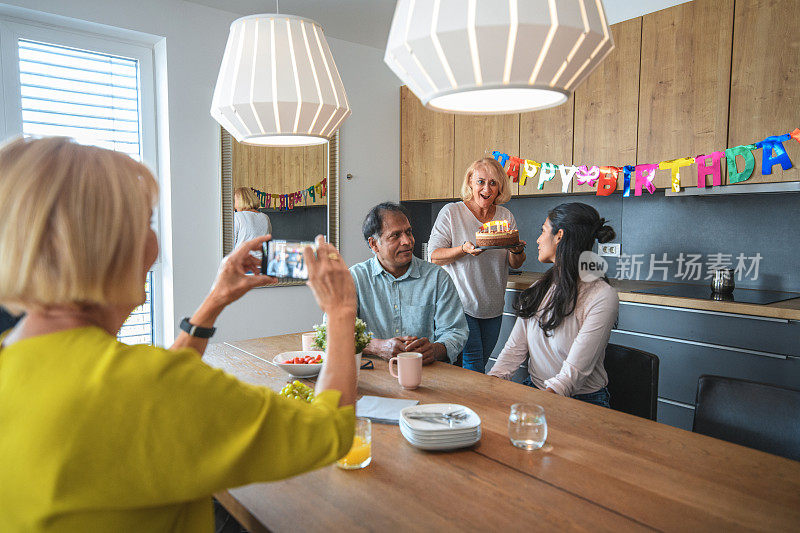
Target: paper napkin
{"points": [[382, 410]]}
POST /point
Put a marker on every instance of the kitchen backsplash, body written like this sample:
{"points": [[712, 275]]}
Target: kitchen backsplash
{"points": [[677, 239]]}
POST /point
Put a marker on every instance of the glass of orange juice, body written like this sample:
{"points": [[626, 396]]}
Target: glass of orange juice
{"points": [[360, 453]]}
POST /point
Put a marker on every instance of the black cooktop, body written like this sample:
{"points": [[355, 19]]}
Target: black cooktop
{"points": [[703, 292]]}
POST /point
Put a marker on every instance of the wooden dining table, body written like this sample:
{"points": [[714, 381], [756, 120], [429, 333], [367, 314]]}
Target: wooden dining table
{"points": [[599, 470]]}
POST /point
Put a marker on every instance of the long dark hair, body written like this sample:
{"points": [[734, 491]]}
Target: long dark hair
{"points": [[582, 225]]}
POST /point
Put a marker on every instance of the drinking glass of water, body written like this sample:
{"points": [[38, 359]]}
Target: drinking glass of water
{"points": [[527, 427]]}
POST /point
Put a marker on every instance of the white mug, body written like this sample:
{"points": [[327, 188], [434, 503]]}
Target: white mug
{"points": [[308, 341], [409, 369]]}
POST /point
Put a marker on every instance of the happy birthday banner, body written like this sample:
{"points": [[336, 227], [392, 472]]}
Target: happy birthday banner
{"points": [[290, 200], [605, 177]]}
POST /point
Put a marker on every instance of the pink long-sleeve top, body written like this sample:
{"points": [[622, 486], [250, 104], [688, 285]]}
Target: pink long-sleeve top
{"points": [[570, 361]]}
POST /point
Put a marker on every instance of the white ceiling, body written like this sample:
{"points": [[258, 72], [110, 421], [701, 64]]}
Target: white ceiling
{"points": [[367, 21]]}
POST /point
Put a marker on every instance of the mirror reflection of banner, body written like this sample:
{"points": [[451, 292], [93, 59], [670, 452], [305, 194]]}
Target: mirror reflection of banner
{"points": [[316, 193], [638, 178]]}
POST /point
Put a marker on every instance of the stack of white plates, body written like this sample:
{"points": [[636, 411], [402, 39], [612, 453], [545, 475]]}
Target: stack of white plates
{"points": [[439, 433]]}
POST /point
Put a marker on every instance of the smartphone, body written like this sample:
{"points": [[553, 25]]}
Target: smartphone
{"points": [[284, 259]]}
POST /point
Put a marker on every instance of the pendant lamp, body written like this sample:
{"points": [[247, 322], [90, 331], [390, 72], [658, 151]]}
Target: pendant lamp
{"points": [[496, 56], [278, 84]]}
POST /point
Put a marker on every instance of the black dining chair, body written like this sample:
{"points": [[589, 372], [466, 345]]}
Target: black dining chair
{"points": [[756, 415], [632, 380]]}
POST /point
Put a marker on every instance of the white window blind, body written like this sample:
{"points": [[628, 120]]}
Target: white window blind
{"points": [[138, 328], [94, 98], [90, 96]]}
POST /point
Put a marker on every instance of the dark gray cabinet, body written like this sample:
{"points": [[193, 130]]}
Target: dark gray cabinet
{"points": [[676, 415], [682, 363], [505, 331], [761, 334], [690, 343]]}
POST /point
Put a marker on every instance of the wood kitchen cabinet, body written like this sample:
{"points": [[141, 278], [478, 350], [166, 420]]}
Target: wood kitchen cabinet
{"points": [[477, 136], [684, 85], [314, 170], [278, 170], [607, 106], [426, 150], [692, 79], [546, 137], [293, 171], [251, 167], [765, 80], [436, 148], [300, 168]]}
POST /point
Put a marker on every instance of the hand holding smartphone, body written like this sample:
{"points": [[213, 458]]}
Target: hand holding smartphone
{"points": [[284, 259]]}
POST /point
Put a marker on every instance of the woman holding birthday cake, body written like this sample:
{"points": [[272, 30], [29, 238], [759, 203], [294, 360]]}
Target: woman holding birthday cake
{"points": [[479, 269]]}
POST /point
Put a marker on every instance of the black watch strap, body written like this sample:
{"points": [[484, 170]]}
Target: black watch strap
{"points": [[196, 331]]}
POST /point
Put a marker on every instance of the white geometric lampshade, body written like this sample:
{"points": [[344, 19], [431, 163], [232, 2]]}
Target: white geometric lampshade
{"points": [[278, 84], [496, 56]]}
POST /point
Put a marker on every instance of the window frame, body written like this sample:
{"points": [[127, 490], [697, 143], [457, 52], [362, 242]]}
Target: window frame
{"points": [[13, 28]]}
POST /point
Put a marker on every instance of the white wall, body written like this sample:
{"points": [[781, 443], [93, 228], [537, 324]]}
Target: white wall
{"points": [[370, 140], [193, 39]]}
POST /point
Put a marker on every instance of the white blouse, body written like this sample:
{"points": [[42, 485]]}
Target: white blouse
{"points": [[248, 225], [570, 361], [480, 280]]}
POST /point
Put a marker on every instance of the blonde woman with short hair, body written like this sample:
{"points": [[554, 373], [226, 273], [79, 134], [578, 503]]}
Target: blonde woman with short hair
{"points": [[102, 436], [480, 275], [248, 221]]}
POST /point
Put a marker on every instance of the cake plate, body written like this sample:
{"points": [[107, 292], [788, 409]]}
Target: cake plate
{"points": [[496, 247]]}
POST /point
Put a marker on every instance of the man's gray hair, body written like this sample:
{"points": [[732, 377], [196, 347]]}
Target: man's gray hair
{"points": [[373, 222]]}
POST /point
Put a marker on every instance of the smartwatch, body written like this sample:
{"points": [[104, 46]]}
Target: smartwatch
{"points": [[196, 331]]}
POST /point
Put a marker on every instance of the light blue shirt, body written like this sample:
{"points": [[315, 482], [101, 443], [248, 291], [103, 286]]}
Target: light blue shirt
{"points": [[423, 302]]}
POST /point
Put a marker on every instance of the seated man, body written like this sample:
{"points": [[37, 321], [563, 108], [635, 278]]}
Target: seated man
{"points": [[410, 305], [278, 266]]}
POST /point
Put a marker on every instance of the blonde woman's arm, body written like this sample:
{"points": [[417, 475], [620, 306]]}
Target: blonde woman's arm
{"points": [[333, 287], [443, 250], [516, 255], [445, 256], [232, 282]]}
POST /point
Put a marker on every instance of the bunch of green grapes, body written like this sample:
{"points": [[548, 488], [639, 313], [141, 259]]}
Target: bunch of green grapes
{"points": [[298, 391]]}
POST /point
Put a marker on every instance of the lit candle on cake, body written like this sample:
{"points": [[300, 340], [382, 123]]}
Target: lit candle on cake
{"points": [[495, 226], [496, 233]]}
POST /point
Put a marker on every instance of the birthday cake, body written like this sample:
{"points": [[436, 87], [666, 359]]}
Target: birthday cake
{"points": [[496, 233]]}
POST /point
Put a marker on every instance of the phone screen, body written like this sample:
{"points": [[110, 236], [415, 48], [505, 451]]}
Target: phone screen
{"points": [[284, 259]]}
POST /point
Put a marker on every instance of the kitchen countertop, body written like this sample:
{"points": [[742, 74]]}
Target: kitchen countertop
{"points": [[787, 309]]}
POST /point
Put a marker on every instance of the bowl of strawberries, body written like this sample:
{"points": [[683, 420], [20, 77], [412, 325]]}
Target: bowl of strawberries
{"points": [[300, 364]]}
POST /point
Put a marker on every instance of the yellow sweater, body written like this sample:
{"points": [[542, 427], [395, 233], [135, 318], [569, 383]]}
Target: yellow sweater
{"points": [[96, 435]]}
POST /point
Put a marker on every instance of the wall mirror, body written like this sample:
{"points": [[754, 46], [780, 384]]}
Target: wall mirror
{"points": [[297, 188]]}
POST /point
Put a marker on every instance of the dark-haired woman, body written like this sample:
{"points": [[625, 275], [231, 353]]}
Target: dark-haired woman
{"points": [[563, 321]]}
